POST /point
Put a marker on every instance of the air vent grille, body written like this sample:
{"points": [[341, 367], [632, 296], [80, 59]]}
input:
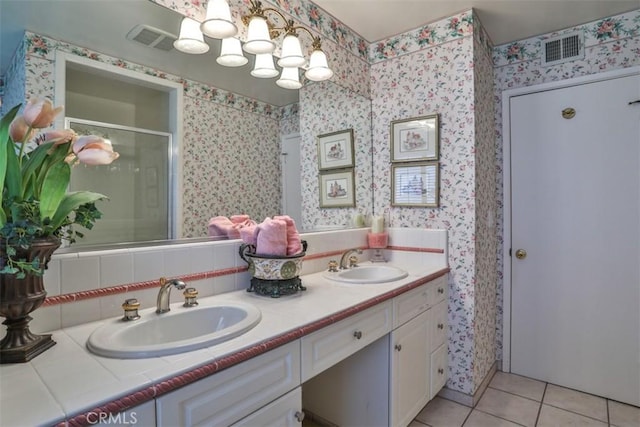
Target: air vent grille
{"points": [[152, 37], [562, 49]]}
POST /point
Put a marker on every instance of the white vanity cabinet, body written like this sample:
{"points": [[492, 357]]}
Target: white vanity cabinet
{"points": [[332, 344], [283, 412], [228, 396], [410, 368]]}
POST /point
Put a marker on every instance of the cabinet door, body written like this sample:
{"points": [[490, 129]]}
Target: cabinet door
{"points": [[143, 415], [409, 370], [283, 412], [438, 324], [438, 370], [229, 395]]}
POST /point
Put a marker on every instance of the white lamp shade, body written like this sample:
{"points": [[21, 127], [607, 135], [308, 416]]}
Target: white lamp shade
{"points": [[231, 53], [291, 52], [318, 68], [289, 79], [191, 39], [218, 23], [264, 68], [258, 38]]}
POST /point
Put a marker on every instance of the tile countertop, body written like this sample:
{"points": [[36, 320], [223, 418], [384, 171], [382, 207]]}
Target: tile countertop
{"points": [[68, 380]]}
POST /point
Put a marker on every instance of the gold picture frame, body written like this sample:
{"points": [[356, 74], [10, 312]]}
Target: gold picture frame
{"points": [[415, 139], [337, 189], [415, 184], [335, 150]]}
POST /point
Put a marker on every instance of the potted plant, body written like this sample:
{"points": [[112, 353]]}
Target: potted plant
{"points": [[36, 212]]}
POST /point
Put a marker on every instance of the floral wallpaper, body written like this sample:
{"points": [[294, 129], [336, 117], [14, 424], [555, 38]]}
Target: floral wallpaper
{"points": [[437, 79], [219, 173], [610, 43], [326, 107], [12, 89]]}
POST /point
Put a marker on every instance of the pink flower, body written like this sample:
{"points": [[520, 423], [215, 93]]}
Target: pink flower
{"points": [[93, 150], [39, 113], [18, 129]]}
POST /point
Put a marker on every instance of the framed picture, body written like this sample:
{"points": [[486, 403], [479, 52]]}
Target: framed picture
{"points": [[335, 150], [337, 189], [415, 139], [415, 184]]}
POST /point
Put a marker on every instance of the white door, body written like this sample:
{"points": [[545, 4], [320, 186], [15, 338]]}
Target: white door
{"points": [[291, 181], [575, 192]]}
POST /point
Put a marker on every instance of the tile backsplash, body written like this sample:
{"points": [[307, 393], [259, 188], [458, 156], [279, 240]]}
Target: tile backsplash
{"points": [[91, 285]]}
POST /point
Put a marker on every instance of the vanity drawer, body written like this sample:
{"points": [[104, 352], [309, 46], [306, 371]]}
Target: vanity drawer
{"points": [[233, 393], [438, 370], [328, 346], [437, 290], [438, 325], [410, 304]]}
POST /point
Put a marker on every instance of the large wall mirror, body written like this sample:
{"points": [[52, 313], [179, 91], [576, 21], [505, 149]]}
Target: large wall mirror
{"points": [[230, 156]]}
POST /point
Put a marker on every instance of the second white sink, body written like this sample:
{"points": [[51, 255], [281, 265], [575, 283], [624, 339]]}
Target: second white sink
{"points": [[177, 331], [366, 274]]}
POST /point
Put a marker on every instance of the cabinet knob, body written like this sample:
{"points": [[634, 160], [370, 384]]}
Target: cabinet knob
{"points": [[398, 347], [357, 334], [440, 371], [299, 416], [440, 290], [440, 326]]}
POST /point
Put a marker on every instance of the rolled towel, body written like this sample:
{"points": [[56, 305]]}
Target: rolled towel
{"points": [[240, 219], [219, 226], [248, 233], [271, 237], [294, 244]]}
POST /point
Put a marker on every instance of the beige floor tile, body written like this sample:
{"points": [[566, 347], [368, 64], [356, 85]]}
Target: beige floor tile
{"points": [[516, 384], [416, 423], [551, 416], [576, 401], [621, 415], [480, 419], [443, 413], [509, 406]]}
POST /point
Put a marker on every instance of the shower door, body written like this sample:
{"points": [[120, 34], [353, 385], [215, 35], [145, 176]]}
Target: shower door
{"points": [[137, 184]]}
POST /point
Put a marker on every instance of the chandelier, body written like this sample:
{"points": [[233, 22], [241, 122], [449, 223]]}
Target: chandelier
{"points": [[261, 34]]}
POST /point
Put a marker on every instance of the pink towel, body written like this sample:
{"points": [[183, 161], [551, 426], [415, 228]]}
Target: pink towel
{"points": [[219, 226], [294, 244], [271, 237], [239, 219], [248, 233], [229, 228]]}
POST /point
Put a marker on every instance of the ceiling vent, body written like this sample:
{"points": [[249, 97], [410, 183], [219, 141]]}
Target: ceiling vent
{"points": [[152, 37], [568, 47]]}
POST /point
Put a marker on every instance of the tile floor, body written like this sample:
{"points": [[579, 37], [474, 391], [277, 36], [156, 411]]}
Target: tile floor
{"points": [[512, 400]]}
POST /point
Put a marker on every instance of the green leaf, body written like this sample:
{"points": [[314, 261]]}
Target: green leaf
{"points": [[54, 188], [70, 202], [30, 167], [4, 139], [13, 175]]}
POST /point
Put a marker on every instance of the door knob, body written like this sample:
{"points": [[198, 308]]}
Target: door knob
{"points": [[521, 254]]}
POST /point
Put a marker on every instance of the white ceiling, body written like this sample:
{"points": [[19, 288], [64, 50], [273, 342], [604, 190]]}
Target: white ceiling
{"points": [[103, 24], [504, 20]]}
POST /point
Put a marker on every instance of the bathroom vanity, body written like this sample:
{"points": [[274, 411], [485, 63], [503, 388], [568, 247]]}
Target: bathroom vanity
{"points": [[348, 353]]}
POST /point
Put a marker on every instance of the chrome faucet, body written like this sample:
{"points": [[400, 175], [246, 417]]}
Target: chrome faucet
{"points": [[345, 257], [165, 291]]}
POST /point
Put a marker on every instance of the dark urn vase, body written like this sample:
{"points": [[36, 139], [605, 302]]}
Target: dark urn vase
{"points": [[18, 298]]}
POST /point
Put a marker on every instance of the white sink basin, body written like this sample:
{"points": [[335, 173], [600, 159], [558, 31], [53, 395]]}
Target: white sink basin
{"points": [[179, 330], [365, 274]]}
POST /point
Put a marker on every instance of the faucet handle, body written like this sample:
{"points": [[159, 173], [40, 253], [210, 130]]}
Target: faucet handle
{"points": [[190, 297], [353, 261], [130, 307], [333, 266]]}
